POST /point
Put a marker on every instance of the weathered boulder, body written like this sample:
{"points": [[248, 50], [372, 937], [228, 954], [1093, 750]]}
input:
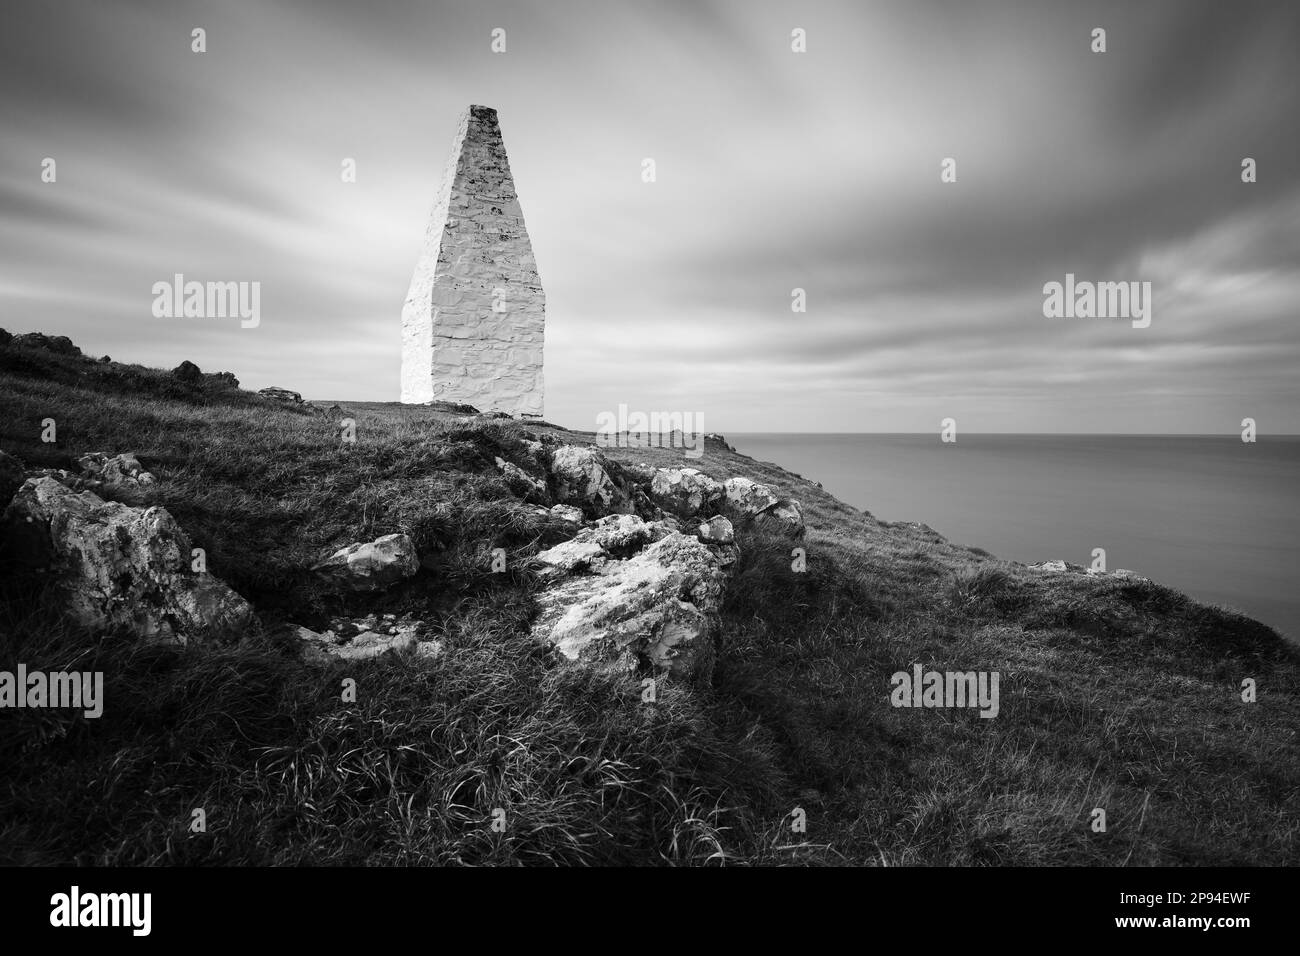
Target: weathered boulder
{"points": [[783, 518], [746, 498], [717, 530], [581, 477], [372, 566], [124, 469], [11, 477], [620, 533], [610, 537], [752, 504], [51, 343], [567, 513], [572, 555], [76, 482], [281, 395], [187, 371], [657, 608], [719, 534], [640, 473], [685, 492], [114, 566]]}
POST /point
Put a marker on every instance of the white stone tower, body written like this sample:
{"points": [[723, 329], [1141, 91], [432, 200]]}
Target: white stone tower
{"points": [[475, 315]]}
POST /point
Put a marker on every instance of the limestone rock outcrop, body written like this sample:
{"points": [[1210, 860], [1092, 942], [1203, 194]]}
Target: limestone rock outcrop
{"points": [[474, 317], [609, 538], [114, 566], [746, 498], [567, 513], [686, 492], [655, 608], [717, 530], [752, 504], [373, 565], [575, 554], [581, 477]]}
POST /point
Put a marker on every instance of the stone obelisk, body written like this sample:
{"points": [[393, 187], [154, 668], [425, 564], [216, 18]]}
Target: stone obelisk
{"points": [[474, 318]]}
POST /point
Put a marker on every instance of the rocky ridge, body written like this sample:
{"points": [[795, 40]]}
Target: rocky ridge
{"points": [[638, 584]]}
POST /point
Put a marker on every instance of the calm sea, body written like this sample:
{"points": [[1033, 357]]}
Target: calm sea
{"points": [[1212, 516]]}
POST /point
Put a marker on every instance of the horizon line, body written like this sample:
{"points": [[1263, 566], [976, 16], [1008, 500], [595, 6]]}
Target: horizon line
{"points": [[1043, 434]]}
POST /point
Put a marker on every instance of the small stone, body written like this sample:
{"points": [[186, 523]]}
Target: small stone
{"points": [[374, 565]]}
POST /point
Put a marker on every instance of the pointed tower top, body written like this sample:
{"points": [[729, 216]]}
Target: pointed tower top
{"points": [[474, 319]]}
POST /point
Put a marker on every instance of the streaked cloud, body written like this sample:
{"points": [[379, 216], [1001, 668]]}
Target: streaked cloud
{"points": [[776, 170]]}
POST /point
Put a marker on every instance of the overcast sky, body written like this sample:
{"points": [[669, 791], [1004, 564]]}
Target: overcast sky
{"points": [[775, 170]]}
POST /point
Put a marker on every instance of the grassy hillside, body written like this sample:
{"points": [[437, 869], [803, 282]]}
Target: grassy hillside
{"points": [[1115, 693]]}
